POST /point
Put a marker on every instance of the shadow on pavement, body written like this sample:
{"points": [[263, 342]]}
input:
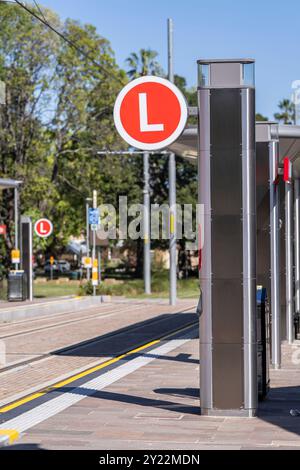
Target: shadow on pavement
{"points": [[135, 400], [123, 340], [276, 408], [23, 447], [179, 392]]}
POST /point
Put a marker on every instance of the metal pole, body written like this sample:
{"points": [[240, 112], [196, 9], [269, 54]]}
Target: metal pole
{"points": [[297, 243], [275, 259], [170, 50], [147, 245], [289, 261], [99, 265], [172, 185], [16, 210], [94, 237], [88, 238]]}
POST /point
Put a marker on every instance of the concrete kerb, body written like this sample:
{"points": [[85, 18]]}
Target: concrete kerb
{"points": [[22, 312]]}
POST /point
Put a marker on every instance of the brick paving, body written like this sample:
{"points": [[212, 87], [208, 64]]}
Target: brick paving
{"points": [[157, 407], [52, 334]]}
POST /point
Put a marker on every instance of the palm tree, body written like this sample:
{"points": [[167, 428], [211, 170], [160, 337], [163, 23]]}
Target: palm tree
{"points": [[288, 112], [143, 63]]}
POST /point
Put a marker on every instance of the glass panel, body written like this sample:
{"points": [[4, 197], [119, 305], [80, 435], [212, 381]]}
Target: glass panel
{"points": [[203, 78], [249, 74]]}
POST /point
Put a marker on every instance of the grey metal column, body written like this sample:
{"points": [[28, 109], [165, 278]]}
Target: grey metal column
{"points": [[289, 261], [297, 243], [227, 193], [204, 191], [147, 244], [26, 246], [249, 251], [275, 256], [172, 186]]}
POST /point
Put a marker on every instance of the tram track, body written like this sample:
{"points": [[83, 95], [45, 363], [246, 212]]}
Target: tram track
{"points": [[99, 314], [113, 336], [134, 349]]}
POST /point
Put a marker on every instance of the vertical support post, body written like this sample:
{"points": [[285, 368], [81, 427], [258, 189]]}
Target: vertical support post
{"points": [[99, 265], [297, 243], [227, 192], [275, 256], [87, 207], [172, 184], [289, 260], [16, 211], [249, 251], [147, 245], [26, 246], [94, 242]]}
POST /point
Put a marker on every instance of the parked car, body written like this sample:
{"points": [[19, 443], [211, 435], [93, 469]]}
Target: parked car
{"points": [[59, 266], [48, 267], [64, 266]]}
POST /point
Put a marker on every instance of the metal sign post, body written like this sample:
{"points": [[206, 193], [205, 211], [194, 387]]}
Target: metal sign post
{"points": [[87, 208], [146, 231], [135, 105], [172, 186], [95, 261], [16, 203]]}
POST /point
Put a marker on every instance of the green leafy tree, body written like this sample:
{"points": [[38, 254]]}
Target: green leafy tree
{"points": [[58, 113], [260, 118], [143, 63], [286, 113]]}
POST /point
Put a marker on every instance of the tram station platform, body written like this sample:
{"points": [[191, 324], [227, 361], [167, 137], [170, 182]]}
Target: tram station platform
{"points": [[139, 389]]}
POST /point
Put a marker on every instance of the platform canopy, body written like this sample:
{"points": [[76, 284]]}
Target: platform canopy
{"points": [[289, 144], [9, 184]]}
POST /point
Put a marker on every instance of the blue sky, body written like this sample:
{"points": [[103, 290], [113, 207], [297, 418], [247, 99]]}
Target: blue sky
{"points": [[268, 31]]}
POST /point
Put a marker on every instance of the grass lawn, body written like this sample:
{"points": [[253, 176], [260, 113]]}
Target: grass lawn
{"points": [[50, 289], [187, 288]]}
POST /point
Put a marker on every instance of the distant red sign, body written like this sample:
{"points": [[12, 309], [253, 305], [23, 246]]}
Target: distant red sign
{"points": [[2, 229], [43, 228], [287, 170]]}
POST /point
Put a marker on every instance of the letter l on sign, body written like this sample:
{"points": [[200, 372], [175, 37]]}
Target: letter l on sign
{"points": [[144, 125], [42, 229]]}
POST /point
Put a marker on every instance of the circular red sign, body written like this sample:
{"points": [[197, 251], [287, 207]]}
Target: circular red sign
{"points": [[150, 113], [43, 228]]}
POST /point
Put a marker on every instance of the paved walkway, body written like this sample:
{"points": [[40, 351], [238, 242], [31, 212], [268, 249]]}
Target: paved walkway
{"points": [[157, 407], [32, 357]]}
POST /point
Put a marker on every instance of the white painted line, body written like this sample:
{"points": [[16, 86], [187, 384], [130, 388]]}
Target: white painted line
{"points": [[49, 409]]}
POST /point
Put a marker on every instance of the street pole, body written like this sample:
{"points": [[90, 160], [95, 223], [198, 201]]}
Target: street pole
{"points": [[275, 257], [99, 265], [95, 204], [146, 231], [289, 261], [88, 237], [16, 210], [172, 186]]}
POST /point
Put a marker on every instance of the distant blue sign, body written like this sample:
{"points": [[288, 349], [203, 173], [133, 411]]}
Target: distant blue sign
{"points": [[94, 216]]}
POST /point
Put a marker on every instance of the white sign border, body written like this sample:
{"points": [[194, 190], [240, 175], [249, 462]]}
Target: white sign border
{"points": [[51, 228], [164, 143]]}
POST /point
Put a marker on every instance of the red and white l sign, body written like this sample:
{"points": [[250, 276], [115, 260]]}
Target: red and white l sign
{"points": [[43, 228], [150, 113]]}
